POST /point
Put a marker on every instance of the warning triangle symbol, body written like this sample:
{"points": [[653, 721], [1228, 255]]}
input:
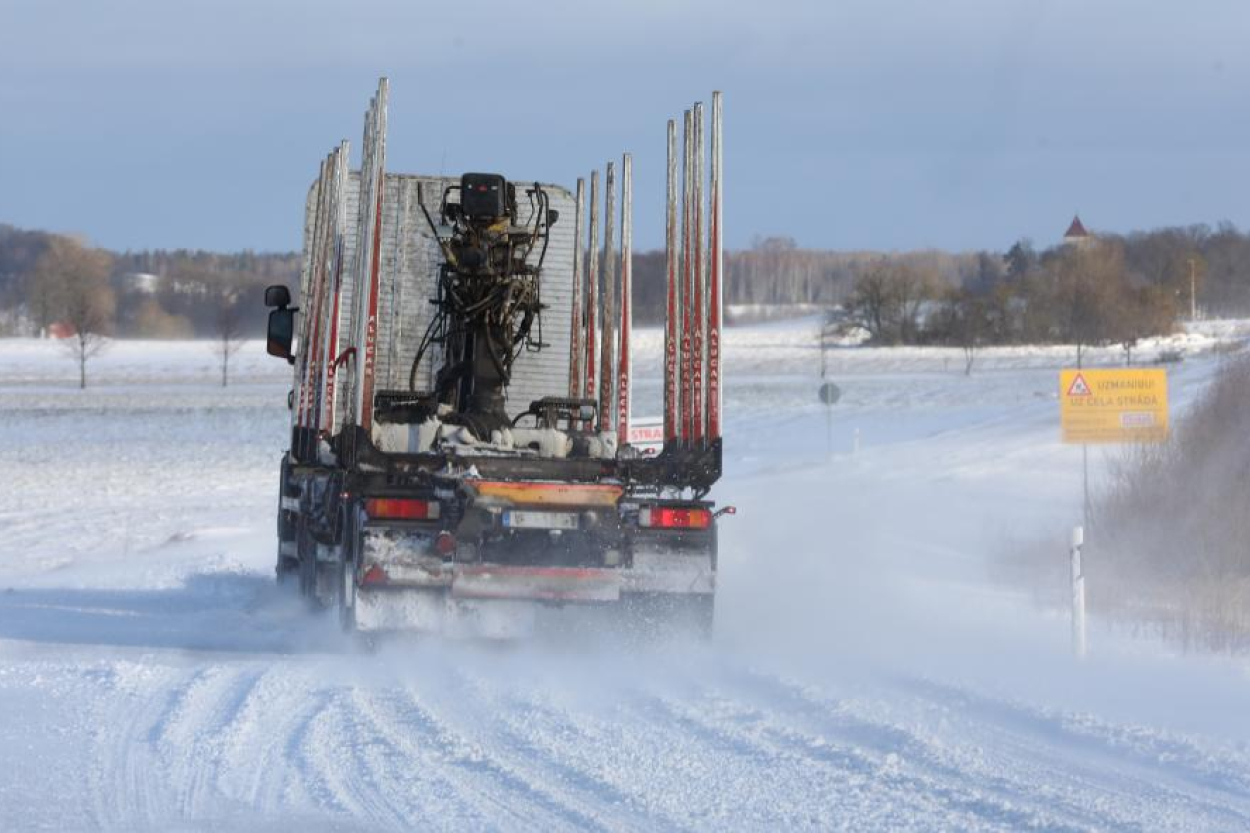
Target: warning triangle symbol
{"points": [[1079, 387]]}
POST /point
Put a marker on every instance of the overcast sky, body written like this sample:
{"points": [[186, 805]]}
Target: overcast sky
{"points": [[873, 124]]}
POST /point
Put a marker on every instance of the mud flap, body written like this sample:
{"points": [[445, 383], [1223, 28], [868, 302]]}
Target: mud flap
{"points": [[436, 611]]}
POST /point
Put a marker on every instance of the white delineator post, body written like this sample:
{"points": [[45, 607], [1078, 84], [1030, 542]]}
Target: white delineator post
{"points": [[1078, 594]]}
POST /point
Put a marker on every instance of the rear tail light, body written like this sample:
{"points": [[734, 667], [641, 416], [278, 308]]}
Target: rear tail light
{"points": [[668, 517], [374, 575], [401, 509]]}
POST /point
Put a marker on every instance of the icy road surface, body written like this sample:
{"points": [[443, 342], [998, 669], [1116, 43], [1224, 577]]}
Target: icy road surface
{"points": [[867, 673]]}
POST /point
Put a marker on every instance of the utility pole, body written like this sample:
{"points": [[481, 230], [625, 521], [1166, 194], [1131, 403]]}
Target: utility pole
{"points": [[1193, 294]]}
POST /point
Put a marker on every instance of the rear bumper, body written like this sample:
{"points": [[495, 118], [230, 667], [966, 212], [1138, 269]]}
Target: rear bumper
{"points": [[502, 601], [650, 573]]}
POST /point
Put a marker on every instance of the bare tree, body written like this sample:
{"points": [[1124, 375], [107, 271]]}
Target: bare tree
{"points": [[73, 284], [228, 321], [44, 287], [1080, 292], [869, 303], [971, 325], [912, 286], [887, 299]]}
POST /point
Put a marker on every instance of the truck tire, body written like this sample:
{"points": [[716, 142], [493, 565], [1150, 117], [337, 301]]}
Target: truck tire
{"points": [[345, 584], [308, 577], [286, 569], [306, 552]]}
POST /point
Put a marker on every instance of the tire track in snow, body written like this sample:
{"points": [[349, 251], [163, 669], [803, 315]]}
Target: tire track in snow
{"points": [[1173, 756], [126, 793], [1039, 757], [805, 719], [333, 740], [191, 741], [309, 772], [161, 749], [470, 759], [550, 741], [425, 783], [263, 750], [756, 720], [1179, 778]]}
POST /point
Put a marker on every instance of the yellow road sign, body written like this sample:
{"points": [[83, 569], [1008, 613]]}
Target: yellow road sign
{"points": [[1128, 405]]}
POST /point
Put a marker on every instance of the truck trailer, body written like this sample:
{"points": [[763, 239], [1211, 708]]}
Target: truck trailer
{"points": [[460, 454]]}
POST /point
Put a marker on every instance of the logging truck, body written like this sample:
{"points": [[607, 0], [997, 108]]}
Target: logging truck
{"points": [[460, 457]]}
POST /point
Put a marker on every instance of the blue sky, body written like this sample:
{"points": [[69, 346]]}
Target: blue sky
{"points": [[874, 124]]}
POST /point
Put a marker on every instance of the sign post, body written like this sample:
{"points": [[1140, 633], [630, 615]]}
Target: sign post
{"points": [[829, 392], [1105, 406], [1078, 594]]}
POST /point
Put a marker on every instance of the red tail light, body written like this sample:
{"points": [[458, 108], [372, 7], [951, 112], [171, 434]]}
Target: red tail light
{"points": [[667, 517], [374, 575], [401, 509]]}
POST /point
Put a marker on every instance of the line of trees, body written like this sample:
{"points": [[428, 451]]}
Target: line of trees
{"points": [[1116, 289], [54, 283], [776, 271], [1105, 290]]}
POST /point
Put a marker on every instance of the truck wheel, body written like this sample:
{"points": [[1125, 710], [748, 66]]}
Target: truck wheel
{"points": [[308, 577], [287, 567], [287, 571], [346, 594], [345, 584], [306, 552]]}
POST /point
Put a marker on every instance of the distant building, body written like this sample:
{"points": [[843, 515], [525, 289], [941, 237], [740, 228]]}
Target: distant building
{"points": [[1076, 235], [142, 282]]}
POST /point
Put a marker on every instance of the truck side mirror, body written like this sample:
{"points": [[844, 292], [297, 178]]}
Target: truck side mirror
{"points": [[281, 332], [277, 296]]}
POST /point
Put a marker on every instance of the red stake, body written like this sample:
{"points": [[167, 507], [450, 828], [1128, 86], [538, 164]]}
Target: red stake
{"points": [[716, 297], [627, 318], [592, 288], [672, 391]]}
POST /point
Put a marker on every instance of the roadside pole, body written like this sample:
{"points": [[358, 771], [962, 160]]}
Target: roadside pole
{"points": [[1106, 406], [829, 394], [1078, 593], [1085, 485]]}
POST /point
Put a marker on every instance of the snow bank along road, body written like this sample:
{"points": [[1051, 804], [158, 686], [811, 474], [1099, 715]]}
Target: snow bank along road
{"points": [[865, 675]]}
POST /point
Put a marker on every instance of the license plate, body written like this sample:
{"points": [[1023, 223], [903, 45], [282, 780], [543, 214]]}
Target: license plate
{"points": [[514, 519]]}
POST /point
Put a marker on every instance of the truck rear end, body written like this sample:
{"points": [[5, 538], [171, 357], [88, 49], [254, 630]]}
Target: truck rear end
{"points": [[460, 453]]}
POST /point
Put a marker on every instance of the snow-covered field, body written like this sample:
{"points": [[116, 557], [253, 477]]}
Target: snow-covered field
{"points": [[866, 673]]}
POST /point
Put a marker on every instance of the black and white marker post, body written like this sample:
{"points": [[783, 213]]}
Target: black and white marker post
{"points": [[1078, 593]]}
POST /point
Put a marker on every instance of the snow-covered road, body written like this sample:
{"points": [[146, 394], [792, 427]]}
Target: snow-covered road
{"points": [[867, 672]]}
